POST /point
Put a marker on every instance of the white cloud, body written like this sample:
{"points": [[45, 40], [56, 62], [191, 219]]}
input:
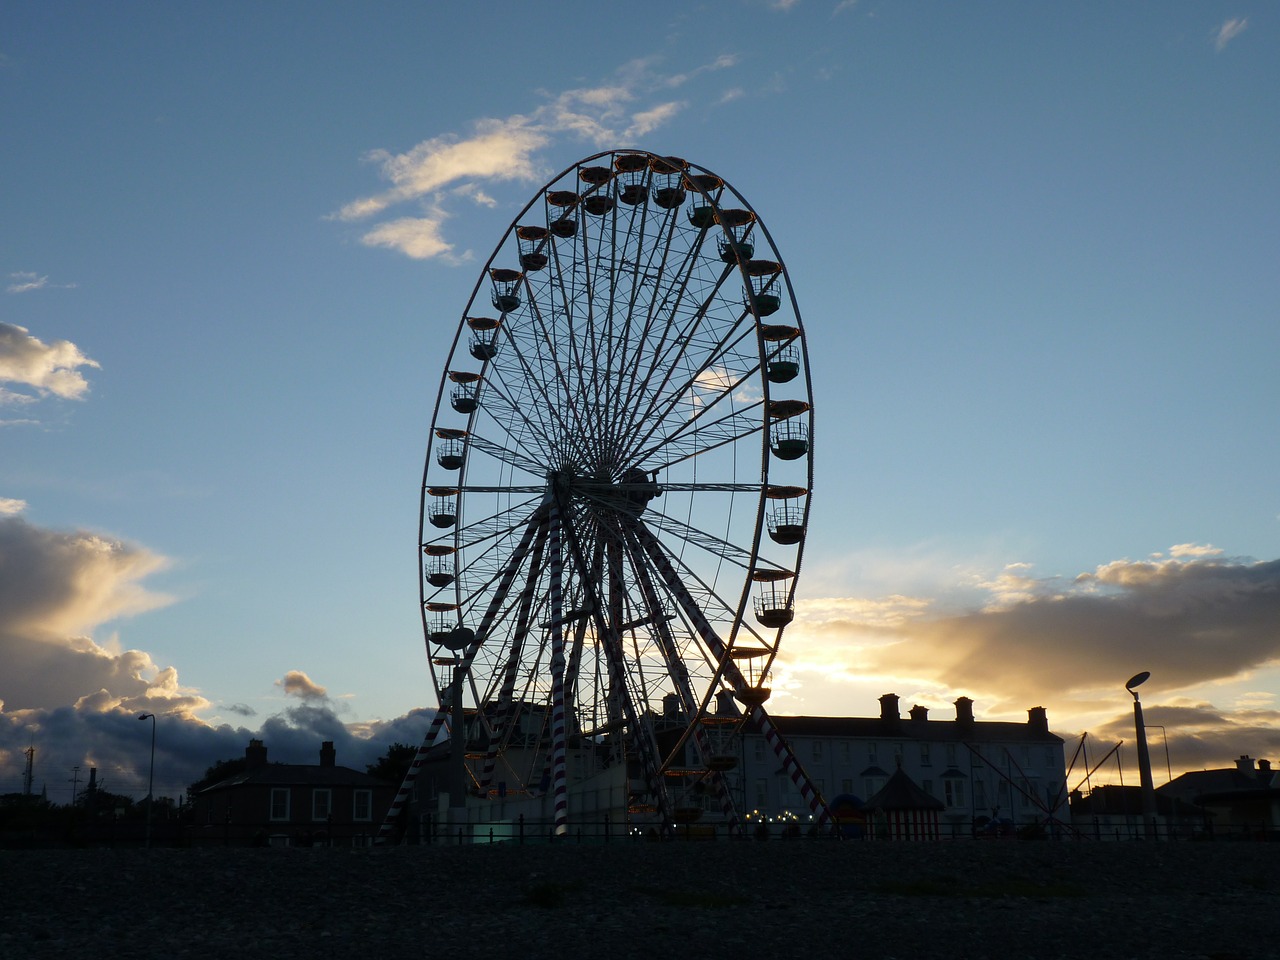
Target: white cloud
{"points": [[1229, 30], [25, 282], [56, 589], [416, 237], [722, 62], [646, 121], [497, 150], [47, 368], [9, 506], [504, 150], [1183, 550]]}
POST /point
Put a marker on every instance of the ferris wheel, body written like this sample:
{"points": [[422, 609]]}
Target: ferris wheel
{"points": [[615, 498]]}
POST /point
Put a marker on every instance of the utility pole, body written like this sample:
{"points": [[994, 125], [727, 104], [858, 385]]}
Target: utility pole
{"points": [[30, 768], [75, 783]]}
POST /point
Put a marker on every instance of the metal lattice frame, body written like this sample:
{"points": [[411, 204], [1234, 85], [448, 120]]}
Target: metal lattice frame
{"points": [[616, 491]]}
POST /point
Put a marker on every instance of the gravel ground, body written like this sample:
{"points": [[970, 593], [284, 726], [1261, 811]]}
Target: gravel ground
{"points": [[653, 900]]}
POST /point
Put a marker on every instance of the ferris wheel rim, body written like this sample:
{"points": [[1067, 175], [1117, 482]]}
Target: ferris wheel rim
{"points": [[736, 428]]}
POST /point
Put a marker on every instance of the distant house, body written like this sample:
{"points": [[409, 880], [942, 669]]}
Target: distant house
{"points": [[1114, 812], [1242, 800], [291, 804]]}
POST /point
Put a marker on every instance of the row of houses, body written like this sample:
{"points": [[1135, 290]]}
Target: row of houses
{"points": [[888, 776]]}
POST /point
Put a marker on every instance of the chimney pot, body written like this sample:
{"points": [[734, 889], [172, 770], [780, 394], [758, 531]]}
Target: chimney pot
{"points": [[328, 756], [964, 710], [255, 754], [889, 707], [919, 713], [1038, 719]]}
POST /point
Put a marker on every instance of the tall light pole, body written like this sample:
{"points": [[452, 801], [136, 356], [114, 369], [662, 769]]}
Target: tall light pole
{"points": [[151, 774], [1144, 758]]}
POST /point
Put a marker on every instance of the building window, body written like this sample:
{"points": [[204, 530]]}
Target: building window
{"points": [[954, 790], [760, 749], [871, 755], [362, 805], [872, 786], [951, 754], [762, 794], [279, 803], [321, 804], [928, 786], [817, 749], [846, 786], [845, 754], [979, 794], [924, 756]]}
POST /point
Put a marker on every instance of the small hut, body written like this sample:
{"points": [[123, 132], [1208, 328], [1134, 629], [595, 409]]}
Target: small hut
{"points": [[901, 810]]}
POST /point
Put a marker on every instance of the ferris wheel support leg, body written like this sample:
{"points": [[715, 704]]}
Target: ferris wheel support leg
{"points": [[502, 719], [559, 783], [732, 674], [791, 764], [392, 819], [679, 674], [615, 659]]}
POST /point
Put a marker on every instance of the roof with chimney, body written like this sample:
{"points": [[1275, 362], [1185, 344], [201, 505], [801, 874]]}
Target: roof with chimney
{"points": [[325, 774], [1243, 777], [917, 726]]}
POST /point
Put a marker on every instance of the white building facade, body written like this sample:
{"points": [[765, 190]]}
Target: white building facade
{"points": [[991, 775]]}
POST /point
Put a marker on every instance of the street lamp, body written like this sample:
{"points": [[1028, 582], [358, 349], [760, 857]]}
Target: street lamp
{"points": [[151, 774], [1144, 757]]}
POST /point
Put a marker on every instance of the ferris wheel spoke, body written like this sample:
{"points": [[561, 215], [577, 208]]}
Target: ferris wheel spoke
{"points": [[510, 457], [716, 546], [722, 372], [543, 332], [689, 443], [718, 384], [501, 523], [667, 358], [654, 308], [513, 416]]}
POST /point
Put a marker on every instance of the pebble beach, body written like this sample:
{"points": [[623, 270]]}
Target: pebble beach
{"points": [[805, 898]]}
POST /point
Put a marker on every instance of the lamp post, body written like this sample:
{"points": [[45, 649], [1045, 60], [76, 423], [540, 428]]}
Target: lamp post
{"points": [[1144, 758], [151, 774]]}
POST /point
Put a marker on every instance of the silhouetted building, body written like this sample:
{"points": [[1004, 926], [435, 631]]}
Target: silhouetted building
{"points": [[1243, 800], [1114, 812], [285, 804], [977, 770]]}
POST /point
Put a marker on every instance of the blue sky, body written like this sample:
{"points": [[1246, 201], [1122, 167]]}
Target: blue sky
{"points": [[1035, 249]]}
